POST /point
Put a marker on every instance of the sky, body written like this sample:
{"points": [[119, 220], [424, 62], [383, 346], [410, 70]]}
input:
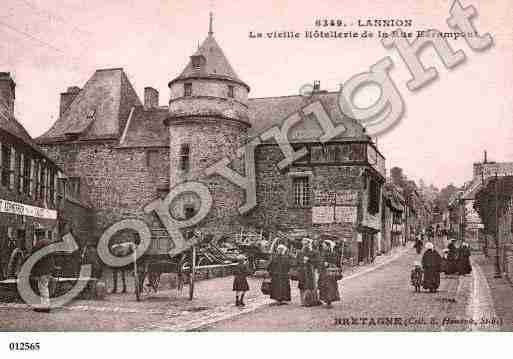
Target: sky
{"points": [[51, 45]]}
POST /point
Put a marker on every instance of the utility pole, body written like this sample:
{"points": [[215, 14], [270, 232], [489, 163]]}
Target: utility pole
{"points": [[497, 254]]}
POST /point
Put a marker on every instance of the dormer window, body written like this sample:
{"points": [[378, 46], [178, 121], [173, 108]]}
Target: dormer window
{"points": [[90, 114], [196, 63], [230, 91], [187, 89]]}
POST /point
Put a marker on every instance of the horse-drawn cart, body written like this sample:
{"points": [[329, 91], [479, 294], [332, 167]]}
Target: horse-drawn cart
{"points": [[203, 253]]}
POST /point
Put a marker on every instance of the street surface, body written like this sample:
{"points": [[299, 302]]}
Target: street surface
{"points": [[380, 300], [376, 297]]}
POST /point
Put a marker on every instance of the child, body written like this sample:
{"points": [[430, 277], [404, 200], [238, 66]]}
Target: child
{"points": [[416, 276], [240, 283], [444, 268]]}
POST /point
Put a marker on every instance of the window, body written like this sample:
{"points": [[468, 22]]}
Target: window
{"points": [[6, 165], [51, 184], [187, 89], [27, 176], [37, 168], [301, 186], [19, 172], [42, 181], [12, 170], [374, 196], [74, 186], [90, 114], [184, 157], [304, 159], [230, 91], [196, 62]]}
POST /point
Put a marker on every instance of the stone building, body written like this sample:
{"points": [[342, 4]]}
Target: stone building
{"points": [[393, 217], [32, 196], [129, 153], [491, 192]]}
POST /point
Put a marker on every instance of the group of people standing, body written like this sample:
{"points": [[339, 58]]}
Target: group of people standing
{"points": [[316, 270], [455, 260]]}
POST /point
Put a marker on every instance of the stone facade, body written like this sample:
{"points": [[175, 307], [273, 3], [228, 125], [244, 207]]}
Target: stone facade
{"points": [[209, 118], [119, 181]]}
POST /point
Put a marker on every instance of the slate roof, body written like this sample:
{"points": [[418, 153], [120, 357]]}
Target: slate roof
{"points": [[216, 65], [145, 128], [16, 129], [270, 111], [98, 111]]}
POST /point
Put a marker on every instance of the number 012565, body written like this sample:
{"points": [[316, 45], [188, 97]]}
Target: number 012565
{"points": [[24, 346]]}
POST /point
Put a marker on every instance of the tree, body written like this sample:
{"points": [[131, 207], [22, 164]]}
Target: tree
{"points": [[397, 175], [442, 201]]}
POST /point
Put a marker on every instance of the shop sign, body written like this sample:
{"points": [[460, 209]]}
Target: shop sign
{"points": [[345, 214], [339, 198], [26, 210], [322, 214]]}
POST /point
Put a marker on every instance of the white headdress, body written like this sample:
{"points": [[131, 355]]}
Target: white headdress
{"points": [[330, 243], [282, 248], [429, 245]]}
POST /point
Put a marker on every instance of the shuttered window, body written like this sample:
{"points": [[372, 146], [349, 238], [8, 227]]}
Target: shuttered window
{"points": [[301, 187]]}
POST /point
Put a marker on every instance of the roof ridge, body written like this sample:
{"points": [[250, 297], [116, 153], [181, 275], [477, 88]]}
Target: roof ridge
{"points": [[284, 96]]}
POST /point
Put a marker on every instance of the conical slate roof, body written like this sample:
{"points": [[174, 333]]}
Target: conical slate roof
{"points": [[216, 65], [216, 61]]}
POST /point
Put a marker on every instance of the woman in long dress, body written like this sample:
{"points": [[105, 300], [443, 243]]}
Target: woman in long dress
{"points": [[313, 269], [452, 257], [306, 283], [431, 263], [328, 286], [464, 266], [279, 271]]}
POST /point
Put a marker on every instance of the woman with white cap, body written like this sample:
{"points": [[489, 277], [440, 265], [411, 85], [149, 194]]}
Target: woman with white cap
{"points": [[279, 270], [431, 263]]}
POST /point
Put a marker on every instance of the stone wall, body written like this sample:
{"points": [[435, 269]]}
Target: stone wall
{"points": [[119, 181], [209, 142], [275, 208]]}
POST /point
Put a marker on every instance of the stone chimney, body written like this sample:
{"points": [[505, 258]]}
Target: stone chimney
{"points": [[7, 94], [67, 98], [151, 98]]}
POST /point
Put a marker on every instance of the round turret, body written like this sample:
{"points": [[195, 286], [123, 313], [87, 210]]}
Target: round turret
{"points": [[208, 121]]}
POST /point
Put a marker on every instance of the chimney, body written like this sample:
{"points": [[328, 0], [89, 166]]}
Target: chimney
{"points": [[7, 95], [151, 98], [67, 98]]}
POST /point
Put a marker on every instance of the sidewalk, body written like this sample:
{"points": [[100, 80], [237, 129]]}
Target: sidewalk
{"points": [[499, 291]]}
